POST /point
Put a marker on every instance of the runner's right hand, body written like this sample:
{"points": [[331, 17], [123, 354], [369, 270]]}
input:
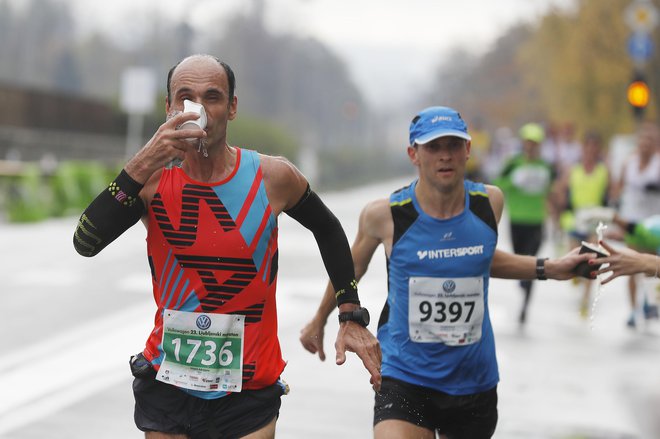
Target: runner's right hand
{"points": [[311, 337]]}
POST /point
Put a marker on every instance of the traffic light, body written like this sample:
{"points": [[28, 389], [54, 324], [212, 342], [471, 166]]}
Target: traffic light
{"points": [[638, 94]]}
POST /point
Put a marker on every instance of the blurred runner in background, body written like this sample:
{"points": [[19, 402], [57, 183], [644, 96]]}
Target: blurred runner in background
{"points": [[526, 182], [479, 152], [638, 193], [560, 148], [579, 191]]}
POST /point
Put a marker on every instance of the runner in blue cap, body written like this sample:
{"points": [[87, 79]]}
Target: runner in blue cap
{"points": [[440, 235]]}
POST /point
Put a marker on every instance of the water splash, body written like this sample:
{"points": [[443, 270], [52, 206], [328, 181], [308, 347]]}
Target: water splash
{"points": [[201, 147], [600, 229]]}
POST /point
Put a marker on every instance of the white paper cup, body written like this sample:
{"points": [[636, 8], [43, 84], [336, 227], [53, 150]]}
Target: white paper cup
{"points": [[194, 107]]}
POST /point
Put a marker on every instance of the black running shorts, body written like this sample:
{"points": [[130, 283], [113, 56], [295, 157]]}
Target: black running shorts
{"points": [[164, 408], [457, 417]]}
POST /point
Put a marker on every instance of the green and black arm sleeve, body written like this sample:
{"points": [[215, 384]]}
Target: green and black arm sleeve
{"points": [[332, 242], [111, 213]]}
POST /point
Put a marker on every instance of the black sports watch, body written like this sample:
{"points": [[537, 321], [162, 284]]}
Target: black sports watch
{"points": [[540, 268], [359, 316]]}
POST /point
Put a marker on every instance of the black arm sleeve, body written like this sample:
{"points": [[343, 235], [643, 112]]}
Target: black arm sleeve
{"points": [[333, 245], [111, 213]]}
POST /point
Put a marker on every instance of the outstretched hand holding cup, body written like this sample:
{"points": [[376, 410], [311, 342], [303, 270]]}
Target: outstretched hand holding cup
{"points": [[583, 268], [626, 261]]}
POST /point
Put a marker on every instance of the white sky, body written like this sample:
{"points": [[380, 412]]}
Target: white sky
{"points": [[384, 42]]}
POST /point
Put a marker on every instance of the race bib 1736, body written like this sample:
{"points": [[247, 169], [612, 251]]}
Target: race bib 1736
{"points": [[203, 351]]}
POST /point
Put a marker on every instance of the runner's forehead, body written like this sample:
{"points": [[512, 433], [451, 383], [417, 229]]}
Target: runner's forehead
{"points": [[450, 141], [199, 71]]}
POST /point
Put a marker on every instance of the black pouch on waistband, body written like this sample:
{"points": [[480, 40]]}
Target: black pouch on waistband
{"points": [[140, 367]]}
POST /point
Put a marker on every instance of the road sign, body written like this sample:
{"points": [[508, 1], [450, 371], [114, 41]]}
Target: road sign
{"points": [[138, 90], [641, 16], [640, 46]]}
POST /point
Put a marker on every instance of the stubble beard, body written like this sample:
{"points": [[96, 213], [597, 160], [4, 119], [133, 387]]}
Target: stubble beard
{"points": [[447, 188]]}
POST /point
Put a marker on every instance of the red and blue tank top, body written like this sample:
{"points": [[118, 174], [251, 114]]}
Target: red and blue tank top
{"points": [[212, 248]]}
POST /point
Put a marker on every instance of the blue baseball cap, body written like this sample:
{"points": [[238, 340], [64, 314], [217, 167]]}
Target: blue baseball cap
{"points": [[435, 122]]}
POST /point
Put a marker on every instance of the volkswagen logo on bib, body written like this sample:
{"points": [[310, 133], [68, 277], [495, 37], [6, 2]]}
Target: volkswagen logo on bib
{"points": [[203, 322], [449, 286]]}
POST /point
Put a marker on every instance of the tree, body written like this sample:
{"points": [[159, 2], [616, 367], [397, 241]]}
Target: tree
{"points": [[571, 66], [578, 63]]}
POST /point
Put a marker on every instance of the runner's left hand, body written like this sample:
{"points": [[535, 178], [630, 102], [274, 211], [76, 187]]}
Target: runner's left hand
{"points": [[355, 338]]}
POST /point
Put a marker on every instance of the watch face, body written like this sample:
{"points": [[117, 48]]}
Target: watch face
{"points": [[365, 316], [360, 316]]}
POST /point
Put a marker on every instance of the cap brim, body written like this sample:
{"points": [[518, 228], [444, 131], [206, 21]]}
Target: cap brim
{"points": [[441, 133]]}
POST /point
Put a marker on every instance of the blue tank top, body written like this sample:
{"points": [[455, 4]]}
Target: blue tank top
{"points": [[435, 329]]}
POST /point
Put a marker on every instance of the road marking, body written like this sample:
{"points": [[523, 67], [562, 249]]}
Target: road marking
{"points": [[69, 367]]}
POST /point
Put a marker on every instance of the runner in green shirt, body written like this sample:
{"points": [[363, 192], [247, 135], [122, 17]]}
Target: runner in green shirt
{"points": [[526, 180]]}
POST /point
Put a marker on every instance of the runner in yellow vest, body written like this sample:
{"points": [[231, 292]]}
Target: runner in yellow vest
{"points": [[581, 193]]}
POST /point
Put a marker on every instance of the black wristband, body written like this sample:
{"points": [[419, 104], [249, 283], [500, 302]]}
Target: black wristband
{"points": [[540, 268], [124, 189], [348, 295]]}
